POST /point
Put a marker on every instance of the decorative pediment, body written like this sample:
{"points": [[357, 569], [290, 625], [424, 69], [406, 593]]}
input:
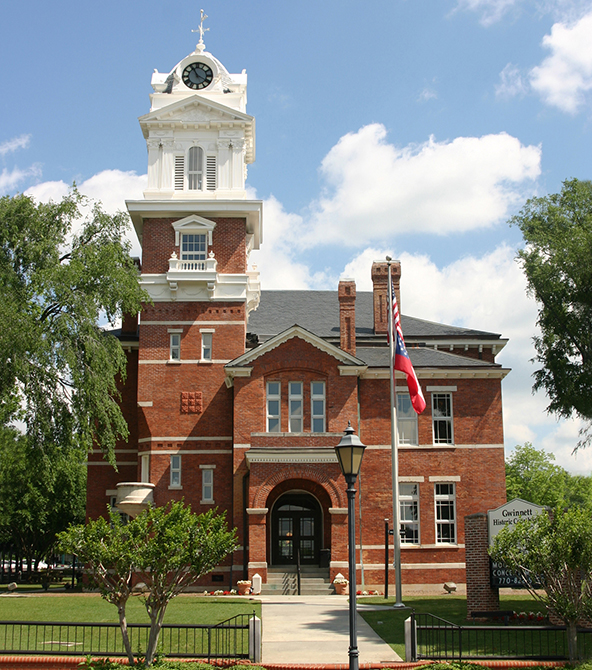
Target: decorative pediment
{"points": [[242, 364], [195, 109], [193, 224]]}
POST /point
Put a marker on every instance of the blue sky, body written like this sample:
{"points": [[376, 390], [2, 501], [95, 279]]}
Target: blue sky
{"points": [[409, 127]]}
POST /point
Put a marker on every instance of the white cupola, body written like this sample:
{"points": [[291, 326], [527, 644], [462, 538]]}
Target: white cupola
{"points": [[200, 138]]}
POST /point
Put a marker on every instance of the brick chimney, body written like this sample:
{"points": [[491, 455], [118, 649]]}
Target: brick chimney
{"points": [[347, 315], [129, 324], [380, 290]]}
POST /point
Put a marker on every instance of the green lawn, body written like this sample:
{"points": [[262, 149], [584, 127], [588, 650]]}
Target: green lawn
{"points": [[389, 624], [92, 608]]}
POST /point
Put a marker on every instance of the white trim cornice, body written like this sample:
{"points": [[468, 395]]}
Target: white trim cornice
{"points": [[290, 455]]}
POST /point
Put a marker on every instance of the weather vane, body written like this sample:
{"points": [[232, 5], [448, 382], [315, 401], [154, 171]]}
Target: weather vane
{"points": [[201, 30]]}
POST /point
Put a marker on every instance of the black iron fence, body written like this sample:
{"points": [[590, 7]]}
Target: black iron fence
{"points": [[437, 639], [228, 639]]}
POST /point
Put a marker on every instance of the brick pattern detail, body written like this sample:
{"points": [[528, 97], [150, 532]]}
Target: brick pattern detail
{"points": [[481, 597], [191, 402], [380, 290]]}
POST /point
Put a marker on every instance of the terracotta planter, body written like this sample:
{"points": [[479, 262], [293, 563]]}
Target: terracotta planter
{"points": [[341, 589], [243, 589]]}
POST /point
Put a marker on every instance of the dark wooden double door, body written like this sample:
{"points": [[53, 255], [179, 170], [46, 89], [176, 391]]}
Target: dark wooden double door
{"points": [[296, 530]]}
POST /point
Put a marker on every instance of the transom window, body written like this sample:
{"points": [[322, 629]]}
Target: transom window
{"points": [[317, 403], [295, 402], [409, 513], [406, 420], [442, 418], [445, 498], [273, 407]]}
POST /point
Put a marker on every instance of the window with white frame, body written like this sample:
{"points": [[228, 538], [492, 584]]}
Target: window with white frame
{"points": [[145, 468], [195, 169], [442, 418], [175, 347], [295, 402], [206, 346], [406, 419], [193, 251], [445, 499], [175, 472], [317, 406], [207, 484], [409, 513], [273, 407]]}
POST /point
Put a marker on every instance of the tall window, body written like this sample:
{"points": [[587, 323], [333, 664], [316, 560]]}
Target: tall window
{"points": [[295, 406], [195, 169], [175, 347], [207, 485], [445, 498], [442, 418], [273, 407], [175, 472], [409, 513], [145, 468], [193, 251], [317, 402], [206, 346], [406, 420]]}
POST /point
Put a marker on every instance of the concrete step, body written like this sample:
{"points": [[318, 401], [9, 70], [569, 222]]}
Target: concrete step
{"points": [[284, 581]]}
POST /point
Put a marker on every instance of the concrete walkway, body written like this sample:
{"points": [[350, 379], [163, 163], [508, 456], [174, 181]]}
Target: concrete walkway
{"points": [[315, 629]]}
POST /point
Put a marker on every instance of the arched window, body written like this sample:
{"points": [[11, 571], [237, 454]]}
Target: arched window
{"points": [[195, 169]]}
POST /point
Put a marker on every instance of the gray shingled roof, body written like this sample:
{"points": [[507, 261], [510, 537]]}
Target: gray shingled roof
{"points": [[421, 357], [318, 312]]}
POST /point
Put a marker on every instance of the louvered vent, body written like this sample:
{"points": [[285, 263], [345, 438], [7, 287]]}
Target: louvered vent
{"points": [[211, 173], [179, 172]]}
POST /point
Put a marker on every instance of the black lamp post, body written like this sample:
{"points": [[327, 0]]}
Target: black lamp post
{"points": [[349, 454]]}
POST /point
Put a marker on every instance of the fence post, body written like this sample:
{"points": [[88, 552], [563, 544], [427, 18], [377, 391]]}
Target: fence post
{"points": [[255, 639], [410, 639]]}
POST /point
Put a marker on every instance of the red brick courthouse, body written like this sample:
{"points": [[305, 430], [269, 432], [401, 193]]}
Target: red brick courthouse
{"points": [[236, 397]]}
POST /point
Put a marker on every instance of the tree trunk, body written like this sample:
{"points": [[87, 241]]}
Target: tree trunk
{"points": [[572, 641], [124, 635], [156, 620]]}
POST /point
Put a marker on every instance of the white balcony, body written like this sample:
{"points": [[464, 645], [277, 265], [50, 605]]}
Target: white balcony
{"points": [[134, 497]]}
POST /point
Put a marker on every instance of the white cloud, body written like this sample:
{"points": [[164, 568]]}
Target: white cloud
{"points": [[277, 259], [111, 187], [10, 179], [20, 142], [564, 78], [436, 187], [511, 82], [427, 94], [491, 10]]}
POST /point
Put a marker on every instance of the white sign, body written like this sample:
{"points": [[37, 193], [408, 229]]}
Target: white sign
{"points": [[509, 514]]}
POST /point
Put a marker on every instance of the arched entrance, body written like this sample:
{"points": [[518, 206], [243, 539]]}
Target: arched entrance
{"points": [[296, 528]]}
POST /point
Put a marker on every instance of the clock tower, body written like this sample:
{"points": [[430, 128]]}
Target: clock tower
{"points": [[197, 228]]}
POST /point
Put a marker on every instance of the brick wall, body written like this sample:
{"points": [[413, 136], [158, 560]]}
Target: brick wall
{"points": [[481, 597]]}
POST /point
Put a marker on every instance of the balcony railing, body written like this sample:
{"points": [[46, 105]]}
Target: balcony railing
{"points": [[179, 265]]}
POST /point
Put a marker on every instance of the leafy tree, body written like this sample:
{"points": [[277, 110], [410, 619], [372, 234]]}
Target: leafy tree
{"points": [[61, 271], [41, 493], [532, 475], [557, 230], [167, 548], [557, 550]]}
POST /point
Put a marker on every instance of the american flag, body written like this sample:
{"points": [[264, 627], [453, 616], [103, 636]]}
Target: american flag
{"points": [[402, 360]]}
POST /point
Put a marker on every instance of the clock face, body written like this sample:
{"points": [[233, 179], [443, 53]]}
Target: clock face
{"points": [[197, 75]]}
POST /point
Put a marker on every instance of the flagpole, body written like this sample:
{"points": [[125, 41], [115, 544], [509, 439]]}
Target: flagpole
{"points": [[394, 447]]}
